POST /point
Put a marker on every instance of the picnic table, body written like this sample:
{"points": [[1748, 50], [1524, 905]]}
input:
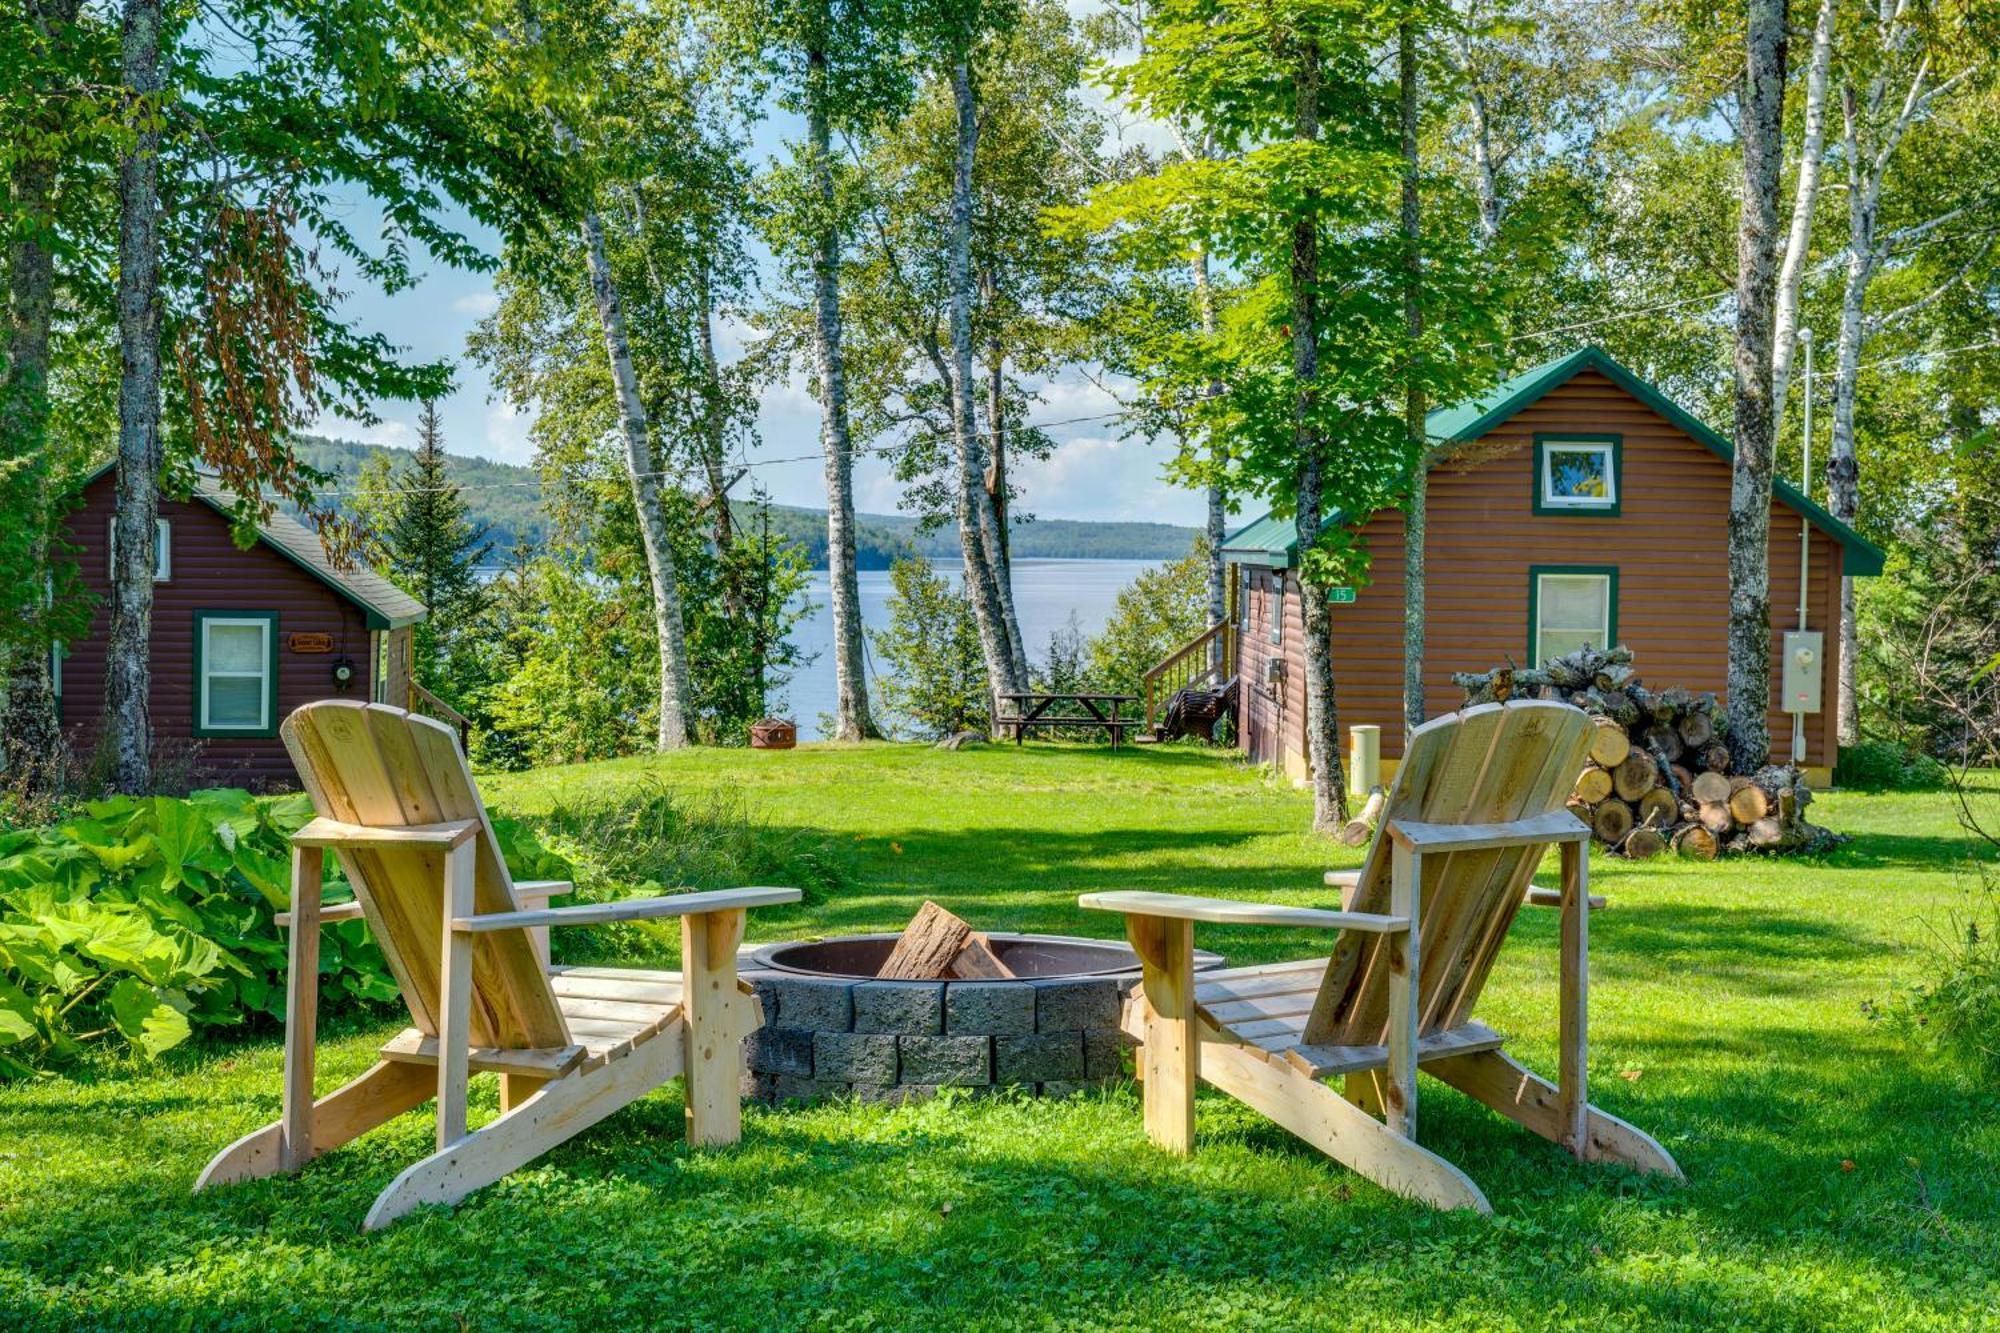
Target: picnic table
{"points": [[1031, 709]]}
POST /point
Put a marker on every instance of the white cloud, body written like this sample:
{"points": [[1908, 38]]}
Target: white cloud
{"points": [[477, 304], [507, 435], [395, 434]]}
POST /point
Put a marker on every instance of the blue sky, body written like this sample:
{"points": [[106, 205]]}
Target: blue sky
{"points": [[1093, 475]]}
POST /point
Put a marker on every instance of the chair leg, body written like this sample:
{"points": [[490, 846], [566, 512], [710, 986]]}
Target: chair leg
{"points": [[295, 1141], [1338, 1128], [454, 1038], [1169, 1055], [379, 1095], [718, 1017], [561, 1109], [1534, 1103], [1574, 1019]]}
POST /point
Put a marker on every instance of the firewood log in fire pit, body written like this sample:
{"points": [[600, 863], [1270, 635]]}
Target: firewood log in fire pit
{"points": [[939, 946]]}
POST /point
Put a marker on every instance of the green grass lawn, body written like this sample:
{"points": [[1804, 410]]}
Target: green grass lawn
{"points": [[1836, 1176]]}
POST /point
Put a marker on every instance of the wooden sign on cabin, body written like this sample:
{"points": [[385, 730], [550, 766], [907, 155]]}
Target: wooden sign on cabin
{"points": [[311, 643]]}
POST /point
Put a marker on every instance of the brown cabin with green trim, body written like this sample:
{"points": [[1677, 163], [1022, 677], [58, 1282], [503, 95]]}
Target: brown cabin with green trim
{"points": [[240, 636], [1572, 503]]}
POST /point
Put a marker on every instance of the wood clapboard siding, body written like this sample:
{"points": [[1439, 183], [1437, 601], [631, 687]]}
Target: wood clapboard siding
{"points": [[1669, 542], [208, 573]]}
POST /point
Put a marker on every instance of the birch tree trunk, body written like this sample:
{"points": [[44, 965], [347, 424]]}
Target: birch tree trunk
{"points": [[995, 477], [977, 530], [1415, 528], [1329, 786], [1798, 242], [1485, 174], [640, 469], [851, 718], [32, 747], [1750, 482], [721, 522], [128, 722], [1218, 509]]}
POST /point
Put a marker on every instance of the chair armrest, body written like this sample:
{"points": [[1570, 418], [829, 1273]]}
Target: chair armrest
{"points": [[630, 909], [1537, 896], [324, 832], [1225, 911], [1555, 826], [542, 889]]}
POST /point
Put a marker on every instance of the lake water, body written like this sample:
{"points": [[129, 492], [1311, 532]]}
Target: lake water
{"points": [[1046, 594]]}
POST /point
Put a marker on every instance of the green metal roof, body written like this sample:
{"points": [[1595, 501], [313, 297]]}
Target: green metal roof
{"points": [[1271, 541]]}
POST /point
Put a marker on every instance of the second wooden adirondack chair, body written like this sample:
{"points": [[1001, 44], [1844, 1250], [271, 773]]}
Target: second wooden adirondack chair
{"points": [[1477, 801], [398, 808]]}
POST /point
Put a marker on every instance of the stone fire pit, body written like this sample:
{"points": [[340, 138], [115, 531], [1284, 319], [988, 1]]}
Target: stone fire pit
{"points": [[831, 1028]]}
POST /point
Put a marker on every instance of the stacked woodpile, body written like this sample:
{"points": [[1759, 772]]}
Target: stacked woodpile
{"points": [[1658, 773]]}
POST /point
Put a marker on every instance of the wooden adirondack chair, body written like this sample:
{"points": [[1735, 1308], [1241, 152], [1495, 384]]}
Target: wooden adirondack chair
{"points": [[398, 808], [1478, 799]]}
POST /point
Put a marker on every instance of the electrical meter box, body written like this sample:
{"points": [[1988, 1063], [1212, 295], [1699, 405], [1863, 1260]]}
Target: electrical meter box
{"points": [[1805, 657]]}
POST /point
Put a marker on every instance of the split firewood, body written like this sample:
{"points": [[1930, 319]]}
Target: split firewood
{"points": [[1715, 817], [1697, 842], [1635, 777], [1696, 729], [1609, 744], [1748, 802], [1715, 758], [976, 961], [1683, 780], [927, 947], [1658, 809], [1612, 820], [1641, 843], [1593, 784], [1710, 788], [1362, 827]]}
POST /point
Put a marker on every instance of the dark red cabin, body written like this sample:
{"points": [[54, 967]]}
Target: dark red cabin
{"points": [[240, 637]]}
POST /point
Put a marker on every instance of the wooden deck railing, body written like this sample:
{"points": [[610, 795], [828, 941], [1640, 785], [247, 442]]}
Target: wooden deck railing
{"points": [[423, 701], [1207, 659]]}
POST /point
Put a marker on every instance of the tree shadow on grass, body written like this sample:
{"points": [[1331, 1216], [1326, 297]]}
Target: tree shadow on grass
{"points": [[996, 1213]]}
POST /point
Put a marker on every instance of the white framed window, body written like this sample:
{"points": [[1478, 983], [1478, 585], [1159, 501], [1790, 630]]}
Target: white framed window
{"points": [[1277, 600], [1570, 606], [1577, 475], [236, 673], [1242, 599], [163, 548]]}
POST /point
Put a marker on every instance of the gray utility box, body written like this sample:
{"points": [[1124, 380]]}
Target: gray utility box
{"points": [[1805, 660]]}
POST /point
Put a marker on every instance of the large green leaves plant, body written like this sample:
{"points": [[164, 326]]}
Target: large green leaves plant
{"points": [[146, 919]]}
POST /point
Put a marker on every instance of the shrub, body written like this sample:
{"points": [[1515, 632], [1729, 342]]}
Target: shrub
{"points": [[654, 839], [1956, 1010], [148, 919], [1154, 615], [1888, 766], [937, 673]]}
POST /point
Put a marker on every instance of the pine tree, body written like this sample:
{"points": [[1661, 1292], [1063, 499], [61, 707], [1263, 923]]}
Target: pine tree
{"points": [[434, 551]]}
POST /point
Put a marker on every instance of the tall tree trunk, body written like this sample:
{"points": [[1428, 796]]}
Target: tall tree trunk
{"points": [[128, 660], [1329, 785], [641, 469], [977, 530], [1485, 174], [1750, 485], [1415, 527], [1843, 472], [1218, 506], [851, 718], [1798, 242], [996, 496], [32, 750], [722, 523]]}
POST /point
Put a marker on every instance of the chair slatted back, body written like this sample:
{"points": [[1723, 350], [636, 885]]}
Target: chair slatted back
{"points": [[1489, 764], [383, 767]]}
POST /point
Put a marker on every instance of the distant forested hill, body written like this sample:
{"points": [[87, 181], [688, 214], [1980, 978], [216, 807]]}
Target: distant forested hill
{"points": [[506, 498]]}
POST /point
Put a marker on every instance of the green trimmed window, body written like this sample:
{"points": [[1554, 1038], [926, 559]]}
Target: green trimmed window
{"points": [[1570, 606], [1277, 600], [1577, 474], [236, 673]]}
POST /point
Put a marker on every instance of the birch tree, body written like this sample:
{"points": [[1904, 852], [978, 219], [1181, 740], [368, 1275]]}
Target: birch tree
{"points": [[1762, 143], [839, 65], [1892, 79], [1805, 199], [1415, 526]]}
